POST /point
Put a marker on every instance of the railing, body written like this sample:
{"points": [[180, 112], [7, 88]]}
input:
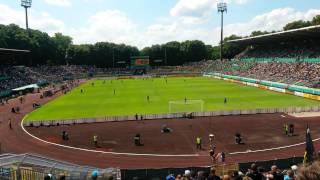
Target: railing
{"points": [[310, 93], [221, 169], [173, 116], [30, 166], [284, 60]]}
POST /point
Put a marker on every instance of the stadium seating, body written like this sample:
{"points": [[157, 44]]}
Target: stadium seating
{"points": [[31, 166], [297, 73]]}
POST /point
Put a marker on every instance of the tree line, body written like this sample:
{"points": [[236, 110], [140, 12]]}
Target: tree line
{"points": [[292, 25], [60, 50]]}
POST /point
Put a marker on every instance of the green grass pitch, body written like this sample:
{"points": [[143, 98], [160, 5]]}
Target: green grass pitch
{"points": [[131, 98]]}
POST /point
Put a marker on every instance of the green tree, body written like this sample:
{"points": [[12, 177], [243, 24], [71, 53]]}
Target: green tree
{"points": [[296, 25], [316, 20], [193, 51], [258, 33], [174, 55], [232, 49], [61, 43]]}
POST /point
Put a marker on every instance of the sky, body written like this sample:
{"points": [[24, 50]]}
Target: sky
{"points": [[142, 23]]}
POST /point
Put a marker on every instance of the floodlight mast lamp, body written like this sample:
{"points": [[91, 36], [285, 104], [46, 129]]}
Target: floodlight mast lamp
{"points": [[26, 4], [222, 7]]}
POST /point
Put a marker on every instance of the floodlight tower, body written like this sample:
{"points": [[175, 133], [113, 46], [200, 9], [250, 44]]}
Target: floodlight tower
{"points": [[165, 55], [113, 57], [222, 7], [26, 4]]}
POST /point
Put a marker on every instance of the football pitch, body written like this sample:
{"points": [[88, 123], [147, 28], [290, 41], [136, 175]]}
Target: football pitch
{"points": [[102, 98]]}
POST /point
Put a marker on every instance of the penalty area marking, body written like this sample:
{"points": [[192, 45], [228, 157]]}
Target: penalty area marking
{"points": [[105, 152]]}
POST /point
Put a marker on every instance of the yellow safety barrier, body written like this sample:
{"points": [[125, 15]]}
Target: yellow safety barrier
{"points": [[224, 169], [29, 174], [311, 96]]}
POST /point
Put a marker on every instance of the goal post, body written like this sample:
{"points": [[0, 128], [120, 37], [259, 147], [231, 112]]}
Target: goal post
{"points": [[186, 106]]}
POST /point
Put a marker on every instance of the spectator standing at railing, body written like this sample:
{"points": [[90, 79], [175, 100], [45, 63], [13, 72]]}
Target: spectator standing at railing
{"points": [[277, 175], [94, 175], [311, 172], [253, 173], [213, 175], [289, 176]]}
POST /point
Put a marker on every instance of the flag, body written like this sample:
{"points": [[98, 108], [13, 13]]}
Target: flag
{"points": [[309, 153]]}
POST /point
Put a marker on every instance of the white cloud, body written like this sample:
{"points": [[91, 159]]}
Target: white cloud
{"points": [[162, 33], [240, 1], [8, 16], [116, 26], [37, 20], [192, 7], [63, 3], [111, 25], [46, 22], [273, 20], [199, 10]]}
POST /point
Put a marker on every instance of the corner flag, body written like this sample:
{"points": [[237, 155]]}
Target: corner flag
{"points": [[309, 153]]}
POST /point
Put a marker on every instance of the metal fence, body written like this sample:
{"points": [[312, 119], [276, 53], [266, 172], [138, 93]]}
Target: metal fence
{"points": [[173, 116]]}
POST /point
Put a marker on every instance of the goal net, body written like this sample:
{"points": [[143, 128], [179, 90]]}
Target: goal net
{"points": [[186, 106]]}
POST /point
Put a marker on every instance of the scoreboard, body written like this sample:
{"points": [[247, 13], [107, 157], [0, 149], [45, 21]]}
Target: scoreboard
{"points": [[140, 62]]}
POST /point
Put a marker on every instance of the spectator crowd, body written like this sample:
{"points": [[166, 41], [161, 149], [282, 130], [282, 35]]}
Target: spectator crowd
{"points": [[304, 172], [284, 51], [296, 73], [18, 76]]}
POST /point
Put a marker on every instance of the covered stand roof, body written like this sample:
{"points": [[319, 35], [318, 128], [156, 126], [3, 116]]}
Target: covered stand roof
{"points": [[311, 32], [31, 86], [13, 50]]}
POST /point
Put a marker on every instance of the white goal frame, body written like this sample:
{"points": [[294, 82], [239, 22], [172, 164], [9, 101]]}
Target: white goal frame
{"points": [[183, 102]]}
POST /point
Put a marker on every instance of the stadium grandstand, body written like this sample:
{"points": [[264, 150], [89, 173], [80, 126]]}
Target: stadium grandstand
{"points": [[34, 167], [290, 57], [175, 111], [297, 45]]}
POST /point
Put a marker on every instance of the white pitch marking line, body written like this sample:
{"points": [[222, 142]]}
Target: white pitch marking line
{"points": [[159, 155], [271, 149], [105, 152]]}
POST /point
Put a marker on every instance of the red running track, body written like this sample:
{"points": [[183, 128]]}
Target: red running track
{"points": [[260, 132]]}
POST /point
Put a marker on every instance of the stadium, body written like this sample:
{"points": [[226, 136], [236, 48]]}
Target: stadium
{"points": [[178, 110]]}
